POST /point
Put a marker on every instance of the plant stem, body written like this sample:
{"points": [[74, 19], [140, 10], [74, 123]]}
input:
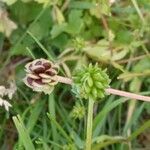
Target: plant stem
{"points": [[109, 90], [89, 125], [128, 94], [63, 80], [138, 10]]}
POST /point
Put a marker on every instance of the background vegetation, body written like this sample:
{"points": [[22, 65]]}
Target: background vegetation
{"points": [[116, 34]]}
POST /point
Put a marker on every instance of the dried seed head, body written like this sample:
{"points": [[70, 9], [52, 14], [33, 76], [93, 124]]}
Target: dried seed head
{"points": [[40, 75], [90, 82]]}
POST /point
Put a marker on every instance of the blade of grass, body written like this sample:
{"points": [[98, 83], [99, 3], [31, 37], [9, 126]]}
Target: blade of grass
{"points": [[134, 119], [99, 146], [62, 131], [40, 45], [51, 107], [34, 115], [145, 126], [23, 133], [104, 113], [134, 2], [30, 52]]}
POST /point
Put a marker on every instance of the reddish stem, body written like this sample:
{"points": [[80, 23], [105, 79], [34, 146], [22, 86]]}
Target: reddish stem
{"points": [[110, 90], [128, 94]]}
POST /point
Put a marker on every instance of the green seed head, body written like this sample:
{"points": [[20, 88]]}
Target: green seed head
{"points": [[69, 146], [78, 112], [90, 82]]}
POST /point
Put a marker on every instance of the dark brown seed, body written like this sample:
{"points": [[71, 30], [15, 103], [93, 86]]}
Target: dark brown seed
{"points": [[29, 80], [47, 65], [38, 63], [39, 70], [39, 81], [49, 72], [30, 67]]}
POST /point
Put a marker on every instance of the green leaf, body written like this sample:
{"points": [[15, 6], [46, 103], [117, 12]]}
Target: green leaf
{"points": [[58, 29], [102, 7], [81, 5], [102, 52], [124, 37], [142, 65], [75, 22], [24, 13], [58, 15]]}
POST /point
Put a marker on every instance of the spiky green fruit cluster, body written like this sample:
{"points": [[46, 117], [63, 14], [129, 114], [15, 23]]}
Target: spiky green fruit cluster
{"points": [[90, 82]]}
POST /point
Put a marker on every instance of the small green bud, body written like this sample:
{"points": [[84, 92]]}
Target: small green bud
{"points": [[96, 76], [101, 94], [69, 146], [90, 81], [87, 89], [94, 92], [99, 85]]}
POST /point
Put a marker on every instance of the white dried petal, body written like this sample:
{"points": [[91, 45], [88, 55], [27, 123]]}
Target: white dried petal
{"points": [[35, 84], [45, 76], [46, 80], [27, 67], [33, 76], [6, 25], [1, 101], [45, 88], [2, 91], [5, 103], [12, 89], [53, 83], [37, 89], [112, 1], [26, 82]]}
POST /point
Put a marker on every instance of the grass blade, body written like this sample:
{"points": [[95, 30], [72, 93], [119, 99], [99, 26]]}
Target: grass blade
{"points": [[62, 131], [23, 133]]}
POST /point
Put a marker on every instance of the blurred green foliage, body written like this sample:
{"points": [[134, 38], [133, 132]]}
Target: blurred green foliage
{"points": [[74, 33]]}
